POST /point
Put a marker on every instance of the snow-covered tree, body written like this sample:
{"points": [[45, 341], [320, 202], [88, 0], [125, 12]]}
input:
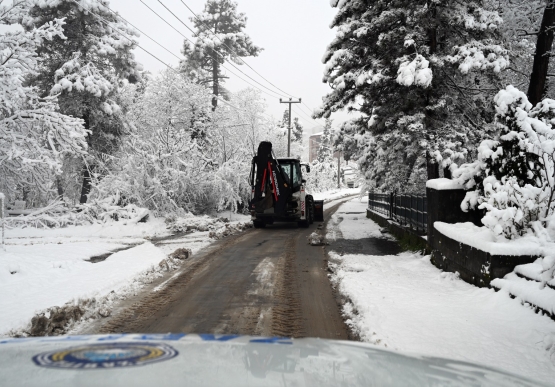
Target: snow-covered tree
{"points": [[296, 130], [161, 165], [249, 117], [521, 19], [418, 74], [325, 149], [296, 127], [219, 36], [322, 176], [34, 135], [86, 69]]}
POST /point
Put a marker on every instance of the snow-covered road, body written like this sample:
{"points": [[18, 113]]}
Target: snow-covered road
{"points": [[44, 268], [404, 303]]}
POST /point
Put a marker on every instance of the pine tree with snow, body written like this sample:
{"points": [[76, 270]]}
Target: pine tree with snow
{"points": [[285, 119], [418, 74], [220, 36], [515, 159], [296, 130], [86, 68], [325, 150], [296, 127]]}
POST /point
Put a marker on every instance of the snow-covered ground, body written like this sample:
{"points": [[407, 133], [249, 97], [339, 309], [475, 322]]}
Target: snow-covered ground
{"points": [[336, 194], [405, 303], [43, 268]]}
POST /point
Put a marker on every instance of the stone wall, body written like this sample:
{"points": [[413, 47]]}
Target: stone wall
{"points": [[474, 266]]}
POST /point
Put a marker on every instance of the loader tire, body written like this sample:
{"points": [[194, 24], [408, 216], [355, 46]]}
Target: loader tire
{"points": [[310, 210], [309, 215]]}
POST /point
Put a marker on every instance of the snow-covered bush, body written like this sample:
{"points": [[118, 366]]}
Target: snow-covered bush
{"points": [[513, 177], [111, 209], [322, 176], [56, 214], [511, 209], [180, 157]]}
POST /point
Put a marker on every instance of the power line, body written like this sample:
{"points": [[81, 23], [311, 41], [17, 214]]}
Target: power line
{"points": [[222, 56], [125, 20], [233, 51], [242, 60], [307, 121], [236, 55], [171, 68], [148, 52], [186, 26], [189, 40]]}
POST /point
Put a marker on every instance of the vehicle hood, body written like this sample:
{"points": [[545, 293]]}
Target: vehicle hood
{"points": [[227, 360]]}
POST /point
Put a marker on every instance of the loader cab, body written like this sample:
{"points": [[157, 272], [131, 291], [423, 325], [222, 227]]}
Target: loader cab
{"points": [[292, 169]]}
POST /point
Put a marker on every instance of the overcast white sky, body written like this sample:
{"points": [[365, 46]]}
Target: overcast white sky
{"points": [[293, 33]]}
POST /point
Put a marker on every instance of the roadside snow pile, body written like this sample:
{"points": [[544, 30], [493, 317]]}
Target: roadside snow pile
{"points": [[57, 215], [47, 275], [37, 279], [404, 303], [217, 227], [335, 194], [315, 239]]}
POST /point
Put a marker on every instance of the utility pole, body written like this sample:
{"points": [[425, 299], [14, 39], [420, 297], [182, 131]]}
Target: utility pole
{"points": [[339, 169], [289, 127]]}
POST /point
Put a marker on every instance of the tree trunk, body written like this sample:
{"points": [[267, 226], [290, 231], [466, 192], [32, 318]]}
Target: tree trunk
{"points": [[215, 82], [86, 186], [25, 192], [542, 55], [60, 186], [432, 167]]}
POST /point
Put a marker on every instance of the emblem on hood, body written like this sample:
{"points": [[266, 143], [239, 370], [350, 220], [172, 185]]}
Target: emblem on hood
{"points": [[107, 355]]}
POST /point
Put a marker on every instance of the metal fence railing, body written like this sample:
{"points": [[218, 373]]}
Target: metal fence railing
{"points": [[407, 210], [380, 203]]}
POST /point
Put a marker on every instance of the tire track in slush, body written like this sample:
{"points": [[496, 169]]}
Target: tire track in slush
{"points": [[286, 311], [134, 317]]}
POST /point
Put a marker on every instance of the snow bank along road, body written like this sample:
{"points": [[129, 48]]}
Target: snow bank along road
{"points": [[402, 302], [261, 282]]}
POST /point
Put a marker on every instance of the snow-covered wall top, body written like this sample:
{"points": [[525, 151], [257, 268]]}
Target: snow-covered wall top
{"points": [[483, 239], [443, 184]]}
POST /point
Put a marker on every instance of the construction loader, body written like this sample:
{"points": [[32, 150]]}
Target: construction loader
{"points": [[279, 191]]}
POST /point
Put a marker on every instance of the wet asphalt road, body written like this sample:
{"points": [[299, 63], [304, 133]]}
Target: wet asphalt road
{"points": [[268, 282]]}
